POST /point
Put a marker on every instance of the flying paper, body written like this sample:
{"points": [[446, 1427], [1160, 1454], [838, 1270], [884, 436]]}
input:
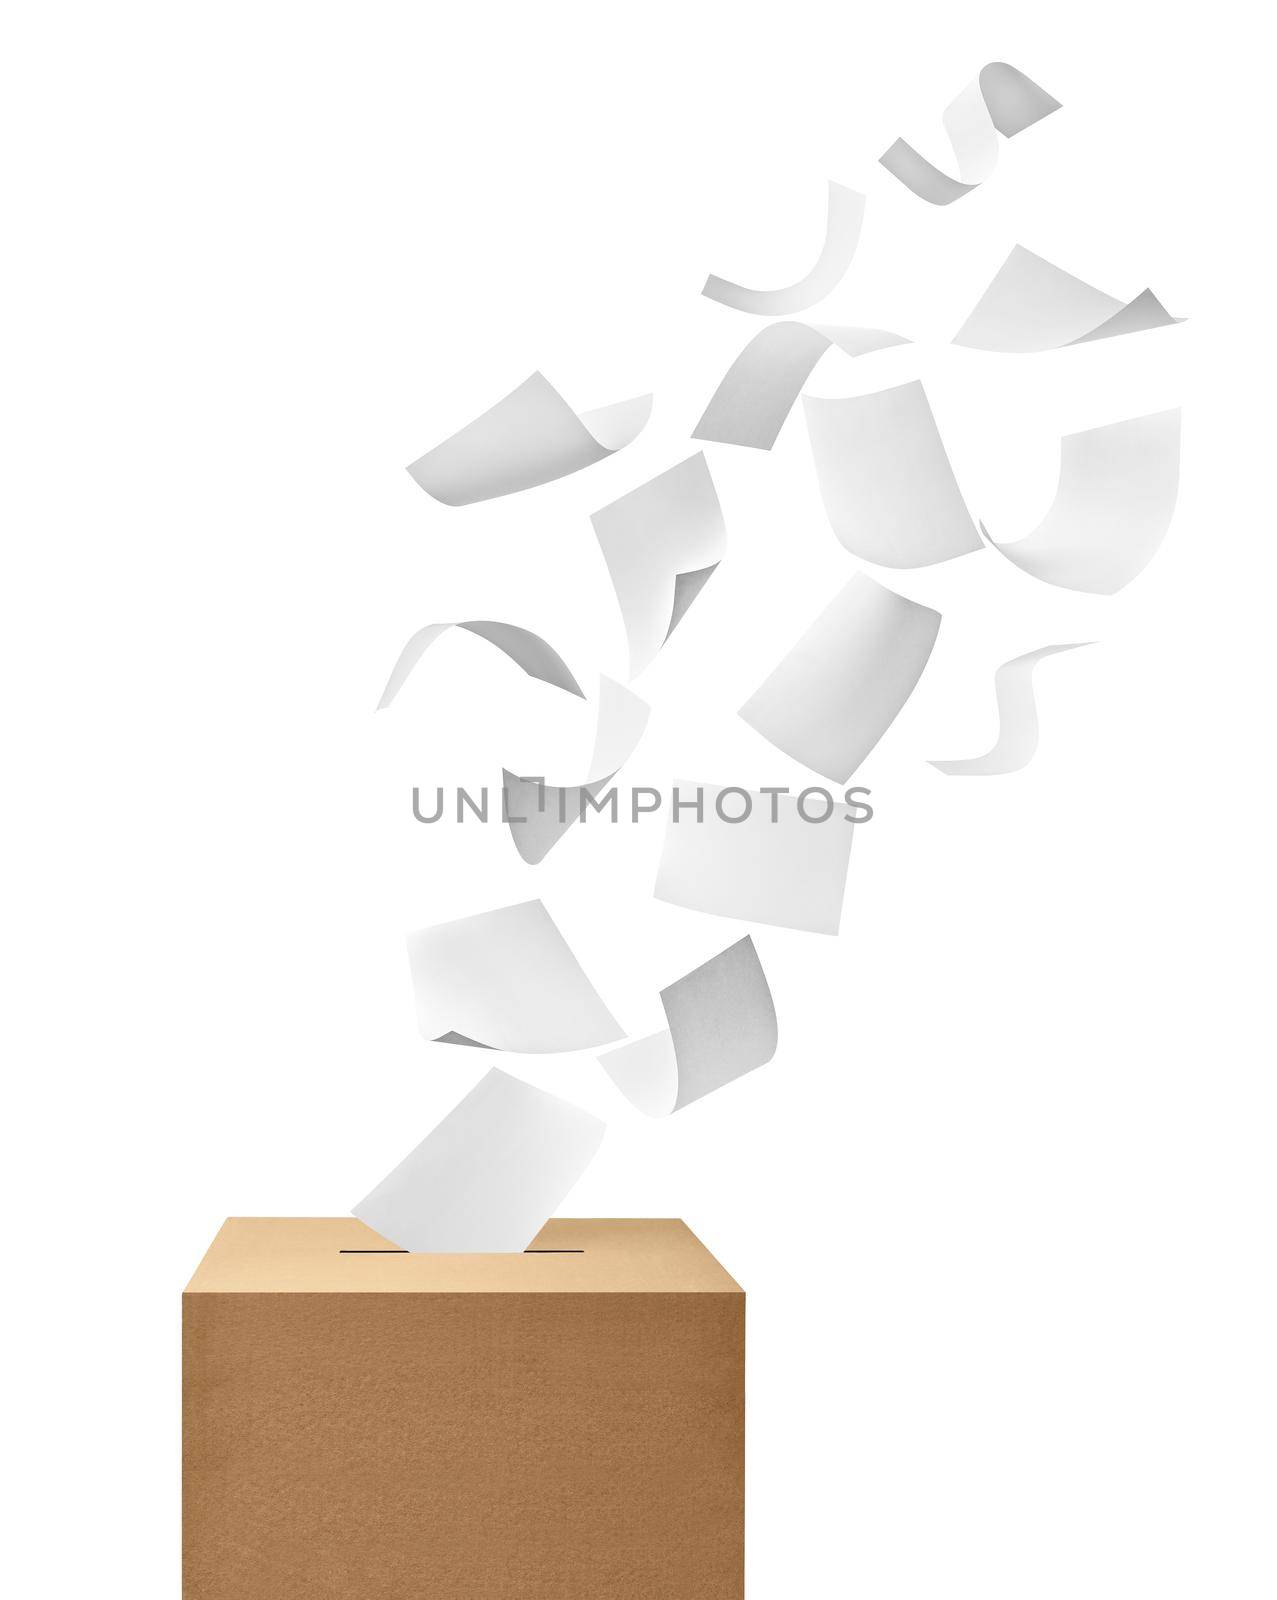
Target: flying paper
{"points": [[532, 436], [842, 234], [999, 100], [527, 650], [839, 689], [539, 814], [722, 1024], [1017, 718], [773, 866], [758, 390], [506, 980], [889, 491], [1032, 305], [661, 543], [488, 1177], [1112, 508]]}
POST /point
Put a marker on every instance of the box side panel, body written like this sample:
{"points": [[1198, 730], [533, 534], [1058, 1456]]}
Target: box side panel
{"points": [[463, 1447]]}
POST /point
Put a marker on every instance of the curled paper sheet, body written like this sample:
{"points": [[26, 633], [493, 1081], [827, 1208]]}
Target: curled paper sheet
{"points": [[999, 100], [532, 436], [1017, 718], [1032, 305], [505, 980], [489, 1175], [839, 689], [758, 391], [661, 543], [842, 235], [889, 491], [1112, 508], [774, 865], [527, 650], [722, 1024], [539, 814]]}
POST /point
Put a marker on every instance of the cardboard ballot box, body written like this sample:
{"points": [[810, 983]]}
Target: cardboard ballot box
{"points": [[364, 1424]]}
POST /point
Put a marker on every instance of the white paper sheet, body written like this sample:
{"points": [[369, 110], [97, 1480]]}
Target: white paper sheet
{"points": [[489, 1175], [840, 688], [722, 1024], [527, 650], [507, 980], [532, 436], [999, 100], [1017, 718], [758, 390], [842, 235], [789, 872], [661, 543], [1032, 305], [539, 814], [889, 491], [1114, 503]]}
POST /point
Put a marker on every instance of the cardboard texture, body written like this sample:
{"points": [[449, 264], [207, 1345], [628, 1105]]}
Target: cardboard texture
{"points": [[567, 1424]]}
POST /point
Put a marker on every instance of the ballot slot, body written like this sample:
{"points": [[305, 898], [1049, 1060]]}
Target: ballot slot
{"points": [[409, 1252]]}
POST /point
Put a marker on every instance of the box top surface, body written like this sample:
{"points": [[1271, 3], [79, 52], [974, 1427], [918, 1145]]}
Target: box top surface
{"points": [[571, 1255]]}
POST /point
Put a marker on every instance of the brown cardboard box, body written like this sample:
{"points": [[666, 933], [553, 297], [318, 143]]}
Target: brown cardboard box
{"points": [[362, 1424]]}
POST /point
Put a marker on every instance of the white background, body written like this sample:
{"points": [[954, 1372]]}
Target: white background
{"points": [[1003, 1201]]}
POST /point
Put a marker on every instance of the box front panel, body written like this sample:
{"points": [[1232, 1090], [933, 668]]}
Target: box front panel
{"points": [[545, 1447]]}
